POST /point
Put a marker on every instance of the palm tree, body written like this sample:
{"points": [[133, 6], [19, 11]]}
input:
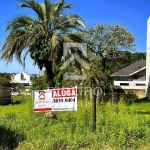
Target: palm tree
{"points": [[42, 36]]}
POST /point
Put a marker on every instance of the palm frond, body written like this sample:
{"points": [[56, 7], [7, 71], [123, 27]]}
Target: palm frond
{"points": [[59, 7], [22, 21], [35, 6]]}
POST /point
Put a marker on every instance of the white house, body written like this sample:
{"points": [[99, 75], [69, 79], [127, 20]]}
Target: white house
{"points": [[23, 78]]}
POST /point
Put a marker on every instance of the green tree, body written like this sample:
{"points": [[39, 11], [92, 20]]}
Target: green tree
{"points": [[43, 36], [5, 75], [106, 42], [4, 82], [39, 82], [137, 56]]}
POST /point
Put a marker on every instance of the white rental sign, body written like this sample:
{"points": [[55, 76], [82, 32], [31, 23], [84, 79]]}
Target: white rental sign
{"points": [[55, 100]]}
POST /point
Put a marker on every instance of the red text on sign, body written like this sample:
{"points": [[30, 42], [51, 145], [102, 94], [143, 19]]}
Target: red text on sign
{"points": [[59, 93]]}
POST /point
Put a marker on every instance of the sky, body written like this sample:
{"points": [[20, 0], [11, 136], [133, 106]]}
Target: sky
{"points": [[132, 14]]}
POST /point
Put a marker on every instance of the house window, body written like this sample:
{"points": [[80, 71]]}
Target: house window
{"points": [[140, 84], [124, 84], [22, 77]]}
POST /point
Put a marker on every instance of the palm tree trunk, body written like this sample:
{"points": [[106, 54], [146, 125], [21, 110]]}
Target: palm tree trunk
{"points": [[50, 74]]}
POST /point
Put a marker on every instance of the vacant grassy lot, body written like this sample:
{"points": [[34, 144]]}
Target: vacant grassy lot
{"points": [[119, 126]]}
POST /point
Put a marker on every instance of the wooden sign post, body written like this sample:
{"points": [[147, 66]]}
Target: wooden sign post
{"points": [[93, 106]]}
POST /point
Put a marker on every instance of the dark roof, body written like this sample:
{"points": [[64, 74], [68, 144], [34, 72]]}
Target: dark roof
{"points": [[130, 69]]}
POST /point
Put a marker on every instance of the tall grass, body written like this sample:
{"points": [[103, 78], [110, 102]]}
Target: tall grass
{"points": [[118, 127]]}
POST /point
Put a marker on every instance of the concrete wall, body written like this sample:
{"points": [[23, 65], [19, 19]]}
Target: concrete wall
{"points": [[139, 93], [148, 59]]}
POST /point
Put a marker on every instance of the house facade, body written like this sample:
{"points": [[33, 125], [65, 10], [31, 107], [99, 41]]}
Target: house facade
{"points": [[132, 78], [132, 75], [22, 78]]}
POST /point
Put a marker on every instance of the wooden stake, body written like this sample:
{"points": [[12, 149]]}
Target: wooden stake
{"points": [[93, 106]]}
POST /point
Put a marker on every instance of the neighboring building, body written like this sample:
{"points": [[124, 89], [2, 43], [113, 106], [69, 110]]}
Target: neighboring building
{"points": [[132, 78], [136, 76], [22, 78], [132, 75]]}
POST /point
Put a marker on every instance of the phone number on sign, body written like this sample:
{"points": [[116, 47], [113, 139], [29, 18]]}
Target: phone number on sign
{"points": [[63, 100]]}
